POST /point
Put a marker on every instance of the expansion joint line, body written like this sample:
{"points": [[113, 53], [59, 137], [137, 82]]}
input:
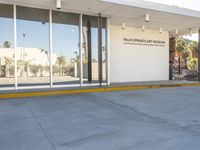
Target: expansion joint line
{"points": [[42, 129], [172, 124]]}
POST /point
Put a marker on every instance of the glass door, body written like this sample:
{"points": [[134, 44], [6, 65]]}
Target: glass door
{"points": [[94, 60]]}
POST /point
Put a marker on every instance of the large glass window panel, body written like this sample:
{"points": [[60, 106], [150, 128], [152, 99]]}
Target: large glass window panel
{"points": [[104, 51], [6, 46], [90, 49], [65, 58], [32, 46]]}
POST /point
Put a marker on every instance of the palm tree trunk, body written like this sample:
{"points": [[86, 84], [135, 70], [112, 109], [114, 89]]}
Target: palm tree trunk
{"points": [[59, 70]]}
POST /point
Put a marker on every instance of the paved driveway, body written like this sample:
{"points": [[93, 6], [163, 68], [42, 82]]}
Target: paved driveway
{"points": [[156, 119]]}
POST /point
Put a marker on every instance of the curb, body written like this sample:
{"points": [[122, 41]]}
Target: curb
{"points": [[91, 90]]}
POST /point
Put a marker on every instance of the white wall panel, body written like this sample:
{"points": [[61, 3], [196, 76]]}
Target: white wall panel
{"points": [[131, 63]]}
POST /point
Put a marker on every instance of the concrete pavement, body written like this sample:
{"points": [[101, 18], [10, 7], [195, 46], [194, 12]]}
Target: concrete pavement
{"points": [[153, 119]]}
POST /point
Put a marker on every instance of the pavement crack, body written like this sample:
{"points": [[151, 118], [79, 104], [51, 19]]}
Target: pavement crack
{"points": [[40, 126], [183, 128], [89, 138]]}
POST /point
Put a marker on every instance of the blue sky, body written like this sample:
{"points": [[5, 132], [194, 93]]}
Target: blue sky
{"points": [[6, 31], [65, 37]]}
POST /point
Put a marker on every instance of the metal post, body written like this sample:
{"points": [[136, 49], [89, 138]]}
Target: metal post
{"points": [[15, 45], [108, 50], [51, 48], [199, 56], [81, 49], [89, 51], [100, 48]]}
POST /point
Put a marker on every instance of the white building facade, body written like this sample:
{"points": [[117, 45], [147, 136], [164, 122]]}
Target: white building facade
{"points": [[88, 42]]}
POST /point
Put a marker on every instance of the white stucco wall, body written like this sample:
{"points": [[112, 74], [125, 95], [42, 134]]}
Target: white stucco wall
{"points": [[131, 63]]}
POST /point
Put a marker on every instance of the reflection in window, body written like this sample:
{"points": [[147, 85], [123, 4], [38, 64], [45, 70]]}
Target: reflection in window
{"points": [[90, 49], [104, 54], [6, 46], [65, 30], [32, 46]]}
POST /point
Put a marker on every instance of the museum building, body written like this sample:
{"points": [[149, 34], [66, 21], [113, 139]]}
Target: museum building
{"points": [[65, 43]]}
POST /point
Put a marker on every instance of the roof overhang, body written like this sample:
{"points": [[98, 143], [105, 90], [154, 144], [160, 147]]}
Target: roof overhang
{"points": [[169, 18], [132, 12]]}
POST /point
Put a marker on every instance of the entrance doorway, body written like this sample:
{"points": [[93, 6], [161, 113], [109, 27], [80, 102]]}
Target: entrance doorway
{"points": [[94, 51]]}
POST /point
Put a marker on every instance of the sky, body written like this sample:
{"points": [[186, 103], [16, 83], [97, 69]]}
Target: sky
{"points": [[65, 37], [189, 4]]}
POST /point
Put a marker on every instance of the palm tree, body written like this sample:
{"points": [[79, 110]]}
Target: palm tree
{"points": [[180, 48], [6, 44], [23, 65], [41, 69], [61, 62], [193, 64], [34, 69], [84, 45], [8, 64], [185, 57], [193, 48]]}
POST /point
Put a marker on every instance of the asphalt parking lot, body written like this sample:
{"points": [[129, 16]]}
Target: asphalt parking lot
{"points": [[153, 119]]}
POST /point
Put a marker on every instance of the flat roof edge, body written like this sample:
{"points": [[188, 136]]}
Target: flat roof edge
{"points": [[156, 7]]}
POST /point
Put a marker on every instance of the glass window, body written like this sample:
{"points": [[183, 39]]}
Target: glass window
{"points": [[32, 46], [90, 49], [65, 30], [104, 61], [6, 46]]}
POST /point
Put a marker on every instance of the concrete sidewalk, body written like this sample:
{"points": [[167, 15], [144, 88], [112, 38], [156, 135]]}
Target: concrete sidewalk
{"points": [[154, 119]]}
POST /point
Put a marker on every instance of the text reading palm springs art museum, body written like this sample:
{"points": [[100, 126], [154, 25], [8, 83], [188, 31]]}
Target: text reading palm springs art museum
{"points": [[144, 42]]}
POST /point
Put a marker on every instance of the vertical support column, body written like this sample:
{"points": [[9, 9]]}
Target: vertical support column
{"points": [[100, 48], [15, 45], [51, 48], [199, 56], [81, 49], [172, 47], [89, 47], [108, 50]]}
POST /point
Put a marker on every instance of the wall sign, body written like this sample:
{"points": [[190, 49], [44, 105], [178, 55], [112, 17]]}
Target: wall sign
{"points": [[143, 42]]}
